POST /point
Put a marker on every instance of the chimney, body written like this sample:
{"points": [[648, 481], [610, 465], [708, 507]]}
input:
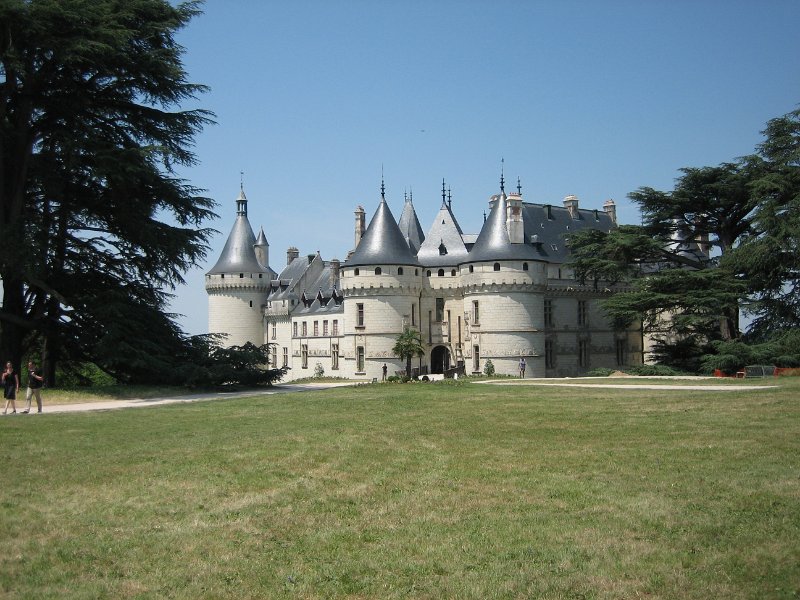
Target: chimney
{"points": [[571, 204], [611, 208], [335, 266], [291, 254], [360, 224]]}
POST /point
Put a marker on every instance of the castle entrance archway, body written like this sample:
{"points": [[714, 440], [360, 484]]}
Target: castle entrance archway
{"points": [[440, 359]]}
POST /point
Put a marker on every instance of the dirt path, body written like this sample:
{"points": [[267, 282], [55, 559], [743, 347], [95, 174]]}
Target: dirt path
{"points": [[145, 402]]}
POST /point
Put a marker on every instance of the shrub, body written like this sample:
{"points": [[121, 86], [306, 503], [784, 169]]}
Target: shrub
{"points": [[600, 372], [653, 371]]}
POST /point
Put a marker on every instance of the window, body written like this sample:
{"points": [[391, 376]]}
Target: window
{"points": [[583, 353], [285, 356], [274, 331], [496, 266], [439, 310], [316, 328], [294, 329], [582, 312], [305, 329], [378, 271], [621, 348], [476, 358], [325, 327], [334, 356], [476, 315], [549, 355], [360, 359], [548, 313], [359, 315], [336, 327], [440, 273], [304, 355]]}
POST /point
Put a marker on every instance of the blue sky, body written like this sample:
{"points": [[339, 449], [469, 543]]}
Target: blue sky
{"points": [[594, 99]]}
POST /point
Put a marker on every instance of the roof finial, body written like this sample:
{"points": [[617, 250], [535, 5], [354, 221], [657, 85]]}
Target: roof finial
{"points": [[502, 178], [383, 187], [519, 187]]}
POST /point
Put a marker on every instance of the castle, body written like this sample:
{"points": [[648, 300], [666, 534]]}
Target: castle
{"points": [[500, 295]]}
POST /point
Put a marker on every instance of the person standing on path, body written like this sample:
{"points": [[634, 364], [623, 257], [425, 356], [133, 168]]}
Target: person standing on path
{"points": [[35, 382], [522, 366], [10, 387]]}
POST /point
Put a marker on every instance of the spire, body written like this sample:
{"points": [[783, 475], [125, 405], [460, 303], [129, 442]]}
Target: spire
{"points": [[241, 200]]}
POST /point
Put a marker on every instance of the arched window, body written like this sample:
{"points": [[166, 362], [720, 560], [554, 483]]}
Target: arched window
{"points": [[524, 266], [496, 266], [399, 270], [441, 273], [378, 271], [355, 272]]}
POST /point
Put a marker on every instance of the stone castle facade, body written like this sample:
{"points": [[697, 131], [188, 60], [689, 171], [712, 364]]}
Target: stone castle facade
{"points": [[500, 295]]}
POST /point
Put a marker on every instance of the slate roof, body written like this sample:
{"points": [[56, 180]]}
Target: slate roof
{"points": [[410, 227], [493, 242], [552, 224], [444, 244], [238, 254], [323, 296], [383, 243]]}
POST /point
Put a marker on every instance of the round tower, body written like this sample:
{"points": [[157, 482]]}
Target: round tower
{"points": [[380, 284], [504, 283], [238, 283]]}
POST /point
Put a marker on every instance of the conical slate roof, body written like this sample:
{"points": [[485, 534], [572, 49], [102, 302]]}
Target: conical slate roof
{"points": [[238, 255], [382, 243], [493, 242], [444, 244], [410, 227]]}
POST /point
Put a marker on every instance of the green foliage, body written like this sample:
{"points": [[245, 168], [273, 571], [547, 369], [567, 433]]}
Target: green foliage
{"points": [[408, 345], [95, 222], [600, 372], [653, 371], [488, 368]]}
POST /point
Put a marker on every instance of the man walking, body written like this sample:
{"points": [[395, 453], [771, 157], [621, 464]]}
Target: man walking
{"points": [[35, 382]]}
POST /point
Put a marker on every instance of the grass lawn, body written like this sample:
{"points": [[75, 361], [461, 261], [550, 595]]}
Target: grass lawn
{"points": [[409, 491]]}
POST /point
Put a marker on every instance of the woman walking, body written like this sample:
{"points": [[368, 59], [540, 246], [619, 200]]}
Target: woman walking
{"points": [[10, 387]]}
